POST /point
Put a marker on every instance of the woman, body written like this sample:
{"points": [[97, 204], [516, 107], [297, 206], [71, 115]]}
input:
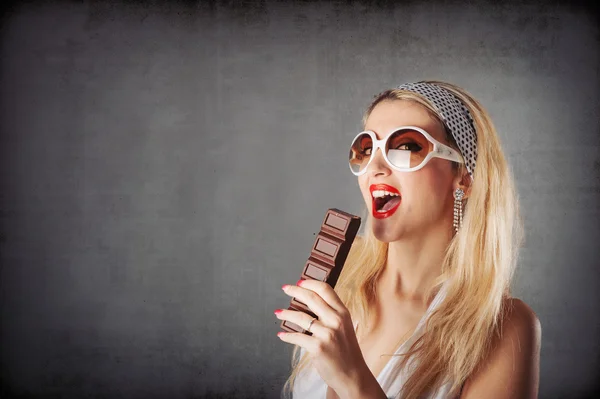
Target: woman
{"points": [[423, 306]]}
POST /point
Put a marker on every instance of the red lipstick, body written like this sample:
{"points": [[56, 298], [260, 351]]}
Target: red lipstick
{"points": [[395, 200]]}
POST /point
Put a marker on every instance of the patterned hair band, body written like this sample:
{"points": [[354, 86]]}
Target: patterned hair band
{"points": [[456, 118]]}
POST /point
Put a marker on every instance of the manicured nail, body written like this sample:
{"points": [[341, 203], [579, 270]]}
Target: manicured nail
{"points": [[277, 311], [299, 282], [280, 334], [285, 287]]}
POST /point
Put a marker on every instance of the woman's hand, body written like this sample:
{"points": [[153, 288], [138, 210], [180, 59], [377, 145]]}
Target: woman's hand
{"points": [[333, 347]]}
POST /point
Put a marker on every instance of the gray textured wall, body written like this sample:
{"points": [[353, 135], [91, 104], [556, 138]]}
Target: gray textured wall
{"points": [[163, 170]]}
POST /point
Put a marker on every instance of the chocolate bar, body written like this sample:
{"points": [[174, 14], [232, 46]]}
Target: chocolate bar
{"points": [[327, 257]]}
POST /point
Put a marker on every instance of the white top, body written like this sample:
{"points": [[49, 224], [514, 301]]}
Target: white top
{"points": [[309, 384]]}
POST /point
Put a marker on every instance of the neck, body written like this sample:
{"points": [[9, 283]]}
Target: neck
{"points": [[413, 264]]}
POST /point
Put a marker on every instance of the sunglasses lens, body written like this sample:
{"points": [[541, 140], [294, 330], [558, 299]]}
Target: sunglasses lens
{"points": [[360, 152], [407, 148]]}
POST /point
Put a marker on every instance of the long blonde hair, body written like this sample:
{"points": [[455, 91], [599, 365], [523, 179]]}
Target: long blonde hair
{"points": [[477, 269]]}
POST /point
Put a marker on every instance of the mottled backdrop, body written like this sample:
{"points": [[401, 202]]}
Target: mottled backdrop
{"points": [[164, 168]]}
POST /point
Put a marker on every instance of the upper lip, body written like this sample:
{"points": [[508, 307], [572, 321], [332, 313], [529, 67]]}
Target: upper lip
{"points": [[384, 187]]}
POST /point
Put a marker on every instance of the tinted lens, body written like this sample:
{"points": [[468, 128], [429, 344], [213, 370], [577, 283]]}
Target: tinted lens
{"points": [[360, 152], [407, 148]]}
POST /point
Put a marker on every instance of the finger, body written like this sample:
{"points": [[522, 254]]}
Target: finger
{"points": [[326, 292], [315, 303], [305, 341], [301, 319]]}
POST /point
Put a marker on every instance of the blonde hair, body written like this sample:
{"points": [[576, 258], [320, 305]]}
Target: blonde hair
{"points": [[477, 269]]}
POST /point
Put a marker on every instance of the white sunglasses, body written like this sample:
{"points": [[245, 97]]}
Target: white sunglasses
{"points": [[405, 149]]}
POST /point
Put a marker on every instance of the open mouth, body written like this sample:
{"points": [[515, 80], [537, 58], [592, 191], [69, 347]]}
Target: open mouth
{"points": [[386, 200], [386, 203]]}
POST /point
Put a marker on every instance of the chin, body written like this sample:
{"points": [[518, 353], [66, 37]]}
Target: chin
{"points": [[384, 234]]}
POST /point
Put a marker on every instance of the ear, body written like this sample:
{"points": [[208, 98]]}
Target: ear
{"points": [[463, 181]]}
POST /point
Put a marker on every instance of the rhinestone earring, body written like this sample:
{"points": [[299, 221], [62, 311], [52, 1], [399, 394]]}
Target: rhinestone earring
{"points": [[458, 208]]}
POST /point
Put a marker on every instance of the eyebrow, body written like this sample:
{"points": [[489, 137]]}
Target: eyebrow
{"points": [[376, 134], [380, 137]]}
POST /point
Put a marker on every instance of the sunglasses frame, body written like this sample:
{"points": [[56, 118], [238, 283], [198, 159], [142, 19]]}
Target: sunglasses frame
{"points": [[440, 150]]}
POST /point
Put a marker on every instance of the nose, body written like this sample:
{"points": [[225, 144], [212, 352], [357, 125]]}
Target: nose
{"points": [[378, 165]]}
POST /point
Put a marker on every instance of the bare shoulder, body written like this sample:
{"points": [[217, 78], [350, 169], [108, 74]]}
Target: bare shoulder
{"points": [[520, 321], [511, 369]]}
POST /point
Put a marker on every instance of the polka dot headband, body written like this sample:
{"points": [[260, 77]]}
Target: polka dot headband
{"points": [[456, 117]]}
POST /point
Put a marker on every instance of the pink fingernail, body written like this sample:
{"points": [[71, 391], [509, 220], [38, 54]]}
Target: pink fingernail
{"points": [[280, 334], [277, 311], [299, 282], [285, 287]]}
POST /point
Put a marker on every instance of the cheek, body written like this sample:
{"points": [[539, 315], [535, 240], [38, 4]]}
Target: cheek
{"points": [[429, 187]]}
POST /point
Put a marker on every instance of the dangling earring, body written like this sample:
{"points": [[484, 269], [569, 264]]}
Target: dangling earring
{"points": [[458, 208]]}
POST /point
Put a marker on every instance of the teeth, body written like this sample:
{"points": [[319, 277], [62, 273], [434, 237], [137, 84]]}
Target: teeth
{"points": [[383, 193]]}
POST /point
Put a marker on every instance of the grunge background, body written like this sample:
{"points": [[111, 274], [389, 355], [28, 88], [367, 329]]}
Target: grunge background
{"points": [[165, 165]]}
